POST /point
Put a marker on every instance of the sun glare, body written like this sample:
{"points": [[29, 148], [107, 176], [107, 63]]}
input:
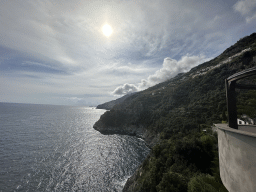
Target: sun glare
{"points": [[107, 30]]}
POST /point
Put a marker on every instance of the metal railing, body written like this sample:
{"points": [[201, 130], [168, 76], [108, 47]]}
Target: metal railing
{"points": [[231, 85]]}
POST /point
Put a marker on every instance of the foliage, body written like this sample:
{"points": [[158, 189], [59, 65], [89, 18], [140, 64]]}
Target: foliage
{"points": [[205, 183], [175, 161], [172, 182], [246, 103]]}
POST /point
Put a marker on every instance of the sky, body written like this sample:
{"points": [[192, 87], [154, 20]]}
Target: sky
{"points": [[55, 52]]}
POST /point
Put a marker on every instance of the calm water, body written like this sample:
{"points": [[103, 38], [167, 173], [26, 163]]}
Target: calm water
{"points": [[55, 148]]}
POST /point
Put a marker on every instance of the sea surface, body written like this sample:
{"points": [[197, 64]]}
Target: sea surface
{"points": [[55, 148]]}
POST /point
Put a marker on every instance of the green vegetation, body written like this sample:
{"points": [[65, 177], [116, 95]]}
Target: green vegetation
{"points": [[246, 102], [182, 111], [205, 183], [185, 162]]}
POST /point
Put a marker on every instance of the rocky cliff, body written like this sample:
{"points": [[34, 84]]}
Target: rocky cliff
{"points": [[122, 119]]}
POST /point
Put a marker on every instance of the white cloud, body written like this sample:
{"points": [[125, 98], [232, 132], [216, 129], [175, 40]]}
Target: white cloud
{"points": [[125, 89], [37, 64], [129, 69], [170, 68], [249, 19], [246, 8]]}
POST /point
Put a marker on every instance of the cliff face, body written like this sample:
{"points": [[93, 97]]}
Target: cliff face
{"points": [[174, 109], [123, 119], [132, 130]]}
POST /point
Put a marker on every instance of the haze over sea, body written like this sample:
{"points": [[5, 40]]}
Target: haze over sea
{"points": [[55, 148]]}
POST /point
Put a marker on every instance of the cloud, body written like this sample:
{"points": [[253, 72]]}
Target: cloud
{"points": [[170, 68], [125, 89], [57, 46], [128, 70], [41, 67], [246, 8], [249, 19], [70, 33]]}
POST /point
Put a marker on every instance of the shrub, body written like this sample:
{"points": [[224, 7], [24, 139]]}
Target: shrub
{"points": [[205, 183], [173, 182]]}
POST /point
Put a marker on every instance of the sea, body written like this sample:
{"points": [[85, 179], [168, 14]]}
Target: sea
{"points": [[55, 148]]}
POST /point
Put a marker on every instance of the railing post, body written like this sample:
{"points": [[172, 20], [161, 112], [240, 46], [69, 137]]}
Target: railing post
{"points": [[231, 103]]}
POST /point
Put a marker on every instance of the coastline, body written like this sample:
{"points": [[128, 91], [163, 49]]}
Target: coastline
{"points": [[149, 138]]}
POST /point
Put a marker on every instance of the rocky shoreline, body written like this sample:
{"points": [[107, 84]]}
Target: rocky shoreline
{"points": [[140, 132]]}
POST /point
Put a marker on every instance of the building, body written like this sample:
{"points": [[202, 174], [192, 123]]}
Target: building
{"points": [[245, 120]]}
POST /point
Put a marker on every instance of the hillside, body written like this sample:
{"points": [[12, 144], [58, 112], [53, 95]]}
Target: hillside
{"points": [[109, 105], [170, 117]]}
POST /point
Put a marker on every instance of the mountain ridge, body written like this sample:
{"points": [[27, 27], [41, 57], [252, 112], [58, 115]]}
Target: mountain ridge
{"points": [[165, 114]]}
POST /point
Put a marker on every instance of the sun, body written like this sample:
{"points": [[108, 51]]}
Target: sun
{"points": [[107, 30]]}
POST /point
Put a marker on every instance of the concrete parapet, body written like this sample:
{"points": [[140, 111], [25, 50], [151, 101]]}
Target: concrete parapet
{"points": [[237, 158]]}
